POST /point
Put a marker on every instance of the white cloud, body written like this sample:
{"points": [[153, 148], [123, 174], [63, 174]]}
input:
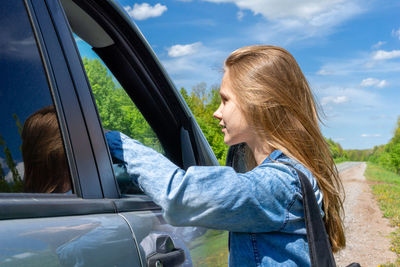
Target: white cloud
{"points": [[373, 82], [396, 33], [2, 164], [289, 27], [354, 114], [20, 170], [277, 9], [204, 65], [323, 72], [378, 44], [23, 255], [382, 84], [382, 54], [240, 15], [145, 11], [289, 21], [183, 50], [363, 64], [371, 135], [334, 100], [348, 98]]}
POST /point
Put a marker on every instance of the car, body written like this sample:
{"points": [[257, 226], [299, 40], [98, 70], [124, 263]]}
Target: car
{"points": [[97, 217]]}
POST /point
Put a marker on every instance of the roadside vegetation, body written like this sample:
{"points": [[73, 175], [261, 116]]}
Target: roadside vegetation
{"points": [[210, 249], [386, 188], [386, 156]]}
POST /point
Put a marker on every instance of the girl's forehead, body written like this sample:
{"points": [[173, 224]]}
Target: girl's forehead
{"points": [[226, 83]]}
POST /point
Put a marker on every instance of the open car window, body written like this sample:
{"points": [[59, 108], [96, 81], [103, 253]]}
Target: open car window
{"points": [[117, 112]]}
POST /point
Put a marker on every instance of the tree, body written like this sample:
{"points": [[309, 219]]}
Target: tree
{"points": [[388, 156], [116, 109], [17, 185], [337, 151], [203, 104]]}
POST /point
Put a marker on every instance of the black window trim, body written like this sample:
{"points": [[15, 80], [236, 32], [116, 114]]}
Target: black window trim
{"points": [[88, 108], [56, 98], [131, 42], [17, 206]]}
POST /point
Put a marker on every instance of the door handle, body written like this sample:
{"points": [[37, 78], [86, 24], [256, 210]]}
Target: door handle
{"points": [[166, 254]]}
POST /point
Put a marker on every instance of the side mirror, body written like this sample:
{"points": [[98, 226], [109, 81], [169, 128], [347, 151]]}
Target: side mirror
{"points": [[236, 158]]}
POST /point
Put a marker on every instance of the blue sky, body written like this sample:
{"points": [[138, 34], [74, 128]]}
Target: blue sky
{"points": [[349, 51]]}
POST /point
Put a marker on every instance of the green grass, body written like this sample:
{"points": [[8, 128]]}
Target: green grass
{"points": [[340, 160], [386, 188], [210, 249]]}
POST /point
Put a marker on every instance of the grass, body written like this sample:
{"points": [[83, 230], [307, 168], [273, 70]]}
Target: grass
{"points": [[386, 188], [340, 160], [210, 249]]}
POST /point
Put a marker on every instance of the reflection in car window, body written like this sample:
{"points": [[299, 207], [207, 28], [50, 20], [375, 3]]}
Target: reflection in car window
{"points": [[24, 91], [117, 111]]}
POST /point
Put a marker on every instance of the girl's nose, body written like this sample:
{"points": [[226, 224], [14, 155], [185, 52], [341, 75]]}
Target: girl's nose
{"points": [[217, 114]]}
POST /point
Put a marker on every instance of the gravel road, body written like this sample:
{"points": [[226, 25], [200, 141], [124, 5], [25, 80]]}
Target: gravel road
{"points": [[367, 232]]}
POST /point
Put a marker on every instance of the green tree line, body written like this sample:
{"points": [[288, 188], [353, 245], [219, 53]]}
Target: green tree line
{"points": [[340, 155], [203, 104], [388, 156]]}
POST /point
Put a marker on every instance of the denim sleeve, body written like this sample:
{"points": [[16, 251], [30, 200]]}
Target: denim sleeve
{"points": [[215, 197]]}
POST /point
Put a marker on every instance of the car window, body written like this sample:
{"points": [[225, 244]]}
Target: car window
{"points": [[116, 110], [32, 156]]}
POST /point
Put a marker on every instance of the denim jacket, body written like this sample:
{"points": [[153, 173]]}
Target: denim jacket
{"points": [[262, 209]]}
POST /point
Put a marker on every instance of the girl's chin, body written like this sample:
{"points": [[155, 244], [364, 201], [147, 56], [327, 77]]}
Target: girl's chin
{"points": [[230, 142], [227, 142]]}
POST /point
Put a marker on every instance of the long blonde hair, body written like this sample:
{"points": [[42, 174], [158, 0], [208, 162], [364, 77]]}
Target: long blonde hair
{"points": [[277, 101]]}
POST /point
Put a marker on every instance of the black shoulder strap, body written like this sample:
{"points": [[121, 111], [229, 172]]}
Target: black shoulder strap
{"points": [[318, 240]]}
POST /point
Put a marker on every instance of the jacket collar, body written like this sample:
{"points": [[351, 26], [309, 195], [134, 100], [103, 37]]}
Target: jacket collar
{"points": [[273, 156]]}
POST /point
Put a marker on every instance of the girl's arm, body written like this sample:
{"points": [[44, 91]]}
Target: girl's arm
{"points": [[214, 197]]}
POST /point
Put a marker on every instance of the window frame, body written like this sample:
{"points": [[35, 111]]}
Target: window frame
{"points": [[59, 59], [137, 69]]}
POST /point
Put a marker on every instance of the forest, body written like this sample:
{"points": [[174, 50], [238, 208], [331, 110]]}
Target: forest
{"points": [[386, 156]]}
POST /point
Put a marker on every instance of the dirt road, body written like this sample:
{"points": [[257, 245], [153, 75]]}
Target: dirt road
{"points": [[366, 230]]}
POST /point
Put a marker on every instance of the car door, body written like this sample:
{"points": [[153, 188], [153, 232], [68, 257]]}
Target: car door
{"points": [[59, 218], [134, 95]]}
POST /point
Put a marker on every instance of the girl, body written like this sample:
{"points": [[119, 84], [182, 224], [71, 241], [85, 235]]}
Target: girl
{"points": [[267, 104]]}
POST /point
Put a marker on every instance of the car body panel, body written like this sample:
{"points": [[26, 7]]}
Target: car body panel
{"points": [[89, 240]]}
